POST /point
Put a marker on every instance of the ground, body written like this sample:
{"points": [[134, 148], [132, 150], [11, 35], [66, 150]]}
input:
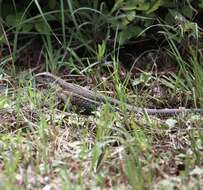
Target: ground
{"points": [[46, 145]]}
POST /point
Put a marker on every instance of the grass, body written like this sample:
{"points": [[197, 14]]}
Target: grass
{"points": [[44, 144]]}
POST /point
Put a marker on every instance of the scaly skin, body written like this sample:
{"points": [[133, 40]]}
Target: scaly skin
{"points": [[93, 98]]}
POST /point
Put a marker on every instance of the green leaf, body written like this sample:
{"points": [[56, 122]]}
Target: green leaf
{"points": [[169, 19], [177, 16], [42, 28], [14, 19], [129, 32], [96, 153], [2, 37], [140, 6], [2, 40], [27, 27], [130, 16], [187, 11], [118, 4], [201, 4], [155, 6], [3, 102]]}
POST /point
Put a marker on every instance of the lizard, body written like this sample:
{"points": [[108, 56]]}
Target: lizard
{"points": [[88, 98]]}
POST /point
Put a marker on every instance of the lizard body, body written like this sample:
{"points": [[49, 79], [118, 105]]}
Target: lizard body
{"points": [[92, 97]]}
